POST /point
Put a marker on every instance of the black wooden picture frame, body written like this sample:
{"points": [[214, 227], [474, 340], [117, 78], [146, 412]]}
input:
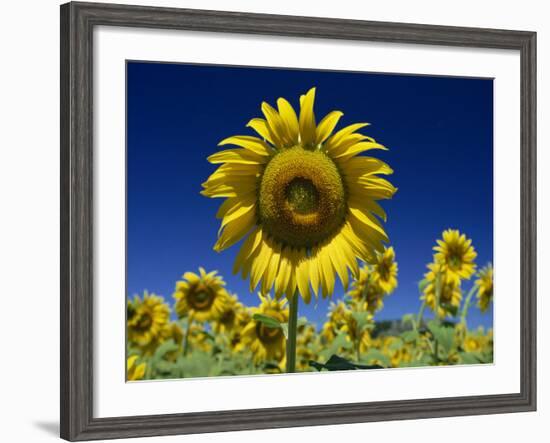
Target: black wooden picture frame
{"points": [[77, 214]]}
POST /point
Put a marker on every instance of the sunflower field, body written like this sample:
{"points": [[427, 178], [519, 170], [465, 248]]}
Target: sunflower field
{"points": [[302, 201]]}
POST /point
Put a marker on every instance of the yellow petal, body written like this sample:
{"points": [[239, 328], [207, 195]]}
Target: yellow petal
{"points": [[235, 230], [239, 211], [271, 273], [333, 141], [247, 249], [260, 264], [307, 119], [314, 273], [357, 148], [338, 262], [290, 119], [302, 277], [253, 144], [241, 156], [283, 275], [261, 127], [278, 128], [326, 126]]}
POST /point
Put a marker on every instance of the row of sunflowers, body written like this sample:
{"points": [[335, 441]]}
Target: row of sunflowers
{"points": [[216, 334]]}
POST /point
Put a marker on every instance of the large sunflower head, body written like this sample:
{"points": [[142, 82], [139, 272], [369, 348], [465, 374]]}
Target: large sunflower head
{"points": [[303, 198], [266, 344], [484, 285], [384, 270], [202, 295], [147, 319], [450, 294], [366, 291], [456, 253]]}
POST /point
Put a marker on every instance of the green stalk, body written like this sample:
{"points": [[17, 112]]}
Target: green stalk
{"points": [[292, 331], [187, 332], [466, 306], [420, 316]]}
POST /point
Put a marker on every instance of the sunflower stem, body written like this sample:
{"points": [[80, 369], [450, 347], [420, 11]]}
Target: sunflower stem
{"points": [[466, 306], [420, 316], [187, 333], [292, 331]]}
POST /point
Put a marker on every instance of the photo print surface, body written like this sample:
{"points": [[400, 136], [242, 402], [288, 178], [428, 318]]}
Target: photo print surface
{"points": [[286, 220]]}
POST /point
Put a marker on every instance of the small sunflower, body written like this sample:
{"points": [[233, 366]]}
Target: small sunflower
{"points": [[266, 344], [354, 333], [399, 353], [146, 319], [336, 319], [202, 296], [366, 291], [303, 199], [485, 287], [228, 318], [450, 293], [135, 371], [384, 270], [456, 253]]}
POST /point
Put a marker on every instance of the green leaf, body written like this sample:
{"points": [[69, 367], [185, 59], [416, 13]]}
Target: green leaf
{"points": [[410, 336], [362, 319], [396, 345], [444, 334], [376, 355], [284, 327], [469, 358], [270, 322]]}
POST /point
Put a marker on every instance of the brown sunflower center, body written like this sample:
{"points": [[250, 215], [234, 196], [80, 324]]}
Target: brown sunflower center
{"points": [[201, 298], [302, 199], [145, 321], [228, 317], [267, 334]]}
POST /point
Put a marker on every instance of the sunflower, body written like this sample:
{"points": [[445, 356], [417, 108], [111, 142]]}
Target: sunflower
{"points": [[228, 318], [456, 253], [341, 319], [301, 197], [147, 319], [384, 270], [202, 296], [336, 319], [484, 286], [398, 352], [450, 294], [366, 291], [358, 336], [133, 370], [266, 344]]}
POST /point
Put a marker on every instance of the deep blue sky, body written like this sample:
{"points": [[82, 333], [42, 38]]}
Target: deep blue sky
{"points": [[439, 131]]}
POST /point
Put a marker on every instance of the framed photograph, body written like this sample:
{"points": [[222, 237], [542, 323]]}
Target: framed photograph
{"points": [[273, 221]]}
